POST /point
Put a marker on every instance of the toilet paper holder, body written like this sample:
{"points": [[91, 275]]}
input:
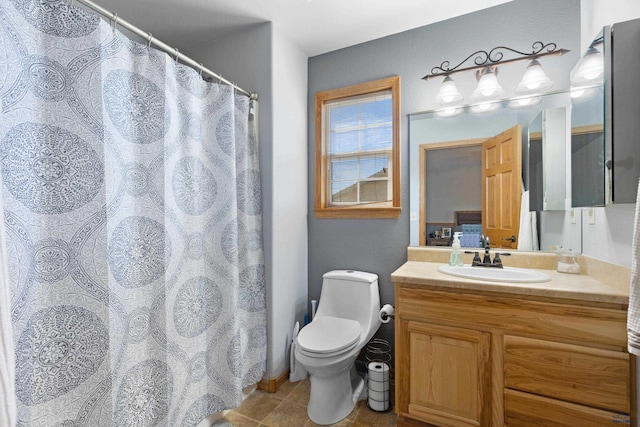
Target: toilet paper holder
{"points": [[387, 312], [386, 316]]}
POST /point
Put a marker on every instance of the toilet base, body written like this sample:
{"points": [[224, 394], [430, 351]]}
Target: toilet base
{"points": [[333, 398]]}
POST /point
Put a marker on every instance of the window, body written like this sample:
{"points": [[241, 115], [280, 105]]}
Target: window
{"points": [[358, 151]]}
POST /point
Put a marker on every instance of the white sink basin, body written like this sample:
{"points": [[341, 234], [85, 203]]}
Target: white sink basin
{"points": [[506, 274]]}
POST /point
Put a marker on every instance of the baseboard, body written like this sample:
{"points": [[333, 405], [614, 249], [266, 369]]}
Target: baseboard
{"points": [[272, 384]]}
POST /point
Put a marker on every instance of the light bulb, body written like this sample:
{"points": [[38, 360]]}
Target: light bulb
{"points": [[590, 68], [448, 93], [488, 86], [484, 107], [527, 102], [534, 79], [449, 112]]}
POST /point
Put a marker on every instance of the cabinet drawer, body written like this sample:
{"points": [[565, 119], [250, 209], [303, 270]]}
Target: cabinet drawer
{"points": [[527, 410], [584, 375]]}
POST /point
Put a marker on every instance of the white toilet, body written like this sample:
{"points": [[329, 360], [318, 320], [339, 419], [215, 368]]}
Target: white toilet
{"points": [[346, 319]]}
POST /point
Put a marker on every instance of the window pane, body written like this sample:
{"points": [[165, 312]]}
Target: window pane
{"points": [[374, 167], [343, 117], [377, 138], [343, 142], [373, 191], [344, 192], [355, 170], [342, 170], [376, 112]]}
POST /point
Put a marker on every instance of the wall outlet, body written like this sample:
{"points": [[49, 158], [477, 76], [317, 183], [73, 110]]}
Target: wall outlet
{"points": [[591, 216], [413, 216], [572, 216]]}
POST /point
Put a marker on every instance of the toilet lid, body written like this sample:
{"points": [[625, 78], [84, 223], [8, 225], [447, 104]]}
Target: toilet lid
{"points": [[328, 334]]}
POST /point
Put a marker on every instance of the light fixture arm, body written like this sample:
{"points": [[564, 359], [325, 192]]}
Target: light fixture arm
{"points": [[495, 56]]}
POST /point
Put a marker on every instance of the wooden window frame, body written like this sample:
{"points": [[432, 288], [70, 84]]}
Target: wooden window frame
{"points": [[322, 194]]}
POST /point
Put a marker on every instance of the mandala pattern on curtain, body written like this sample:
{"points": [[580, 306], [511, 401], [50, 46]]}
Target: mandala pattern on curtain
{"points": [[132, 206]]}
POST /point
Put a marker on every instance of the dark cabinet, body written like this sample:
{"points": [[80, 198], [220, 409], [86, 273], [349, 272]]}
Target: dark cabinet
{"points": [[625, 101], [605, 124]]}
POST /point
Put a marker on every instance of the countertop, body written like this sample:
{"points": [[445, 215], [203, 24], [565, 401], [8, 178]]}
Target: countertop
{"points": [[562, 285]]}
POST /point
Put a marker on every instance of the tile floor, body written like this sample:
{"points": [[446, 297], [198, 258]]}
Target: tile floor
{"points": [[288, 408]]}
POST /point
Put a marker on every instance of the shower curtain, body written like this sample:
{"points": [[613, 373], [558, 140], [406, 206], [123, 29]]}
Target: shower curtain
{"points": [[132, 208]]}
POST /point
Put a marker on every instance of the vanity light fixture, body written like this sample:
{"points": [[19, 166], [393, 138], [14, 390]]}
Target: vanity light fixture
{"points": [[534, 80], [488, 86], [588, 74], [590, 69], [449, 112], [448, 94], [525, 102], [484, 107], [485, 64], [582, 92]]}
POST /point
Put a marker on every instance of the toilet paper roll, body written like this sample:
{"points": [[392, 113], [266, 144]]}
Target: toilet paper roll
{"points": [[379, 406], [378, 396], [378, 372], [386, 313], [380, 386]]}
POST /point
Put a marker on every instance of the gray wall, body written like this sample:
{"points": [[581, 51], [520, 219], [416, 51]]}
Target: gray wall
{"points": [[380, 245]]}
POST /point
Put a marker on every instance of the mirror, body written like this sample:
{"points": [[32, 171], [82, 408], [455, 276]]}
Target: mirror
{"points": [[448, 151], [535, 164], [590, 176], [547, 155]]}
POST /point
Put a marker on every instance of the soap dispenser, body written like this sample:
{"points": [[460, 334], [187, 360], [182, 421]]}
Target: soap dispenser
{"points": [[455, 260]]}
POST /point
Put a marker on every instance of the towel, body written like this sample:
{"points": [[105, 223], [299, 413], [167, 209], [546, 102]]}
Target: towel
{"points": [[633, 315], [528, 232]]}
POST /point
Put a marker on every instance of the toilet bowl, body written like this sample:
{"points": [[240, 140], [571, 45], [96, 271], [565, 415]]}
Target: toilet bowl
{"points": [[346, 319]]}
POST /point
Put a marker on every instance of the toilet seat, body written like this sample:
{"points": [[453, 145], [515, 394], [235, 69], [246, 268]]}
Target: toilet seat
{"points": [[325, 336]]}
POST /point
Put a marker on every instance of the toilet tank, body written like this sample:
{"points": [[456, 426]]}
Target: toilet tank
{"points": [[350, 294]]}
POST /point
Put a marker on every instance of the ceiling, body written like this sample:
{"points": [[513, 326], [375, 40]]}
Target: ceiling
{"points": [[316, 26]]}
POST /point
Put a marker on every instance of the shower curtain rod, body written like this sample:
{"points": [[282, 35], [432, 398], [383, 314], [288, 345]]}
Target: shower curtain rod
{"points": [[163, 46]]}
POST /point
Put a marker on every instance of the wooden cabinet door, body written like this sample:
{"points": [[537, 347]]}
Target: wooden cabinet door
{"points": [[449, 375]]}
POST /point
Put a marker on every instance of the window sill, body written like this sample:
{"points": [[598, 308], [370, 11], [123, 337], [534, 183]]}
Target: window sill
{"points": [[360, 213]]}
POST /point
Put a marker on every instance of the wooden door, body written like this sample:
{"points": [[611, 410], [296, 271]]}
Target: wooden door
{"points": [[449, 375], [502, 187]]}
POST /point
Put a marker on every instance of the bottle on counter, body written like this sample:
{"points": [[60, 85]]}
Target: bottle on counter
{"points": [[455, 260]]}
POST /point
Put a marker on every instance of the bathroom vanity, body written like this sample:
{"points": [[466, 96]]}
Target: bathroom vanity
{"points": [[479, 353]]}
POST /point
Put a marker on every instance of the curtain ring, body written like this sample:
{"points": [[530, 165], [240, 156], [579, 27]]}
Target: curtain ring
{"points": [[115, 20], [201, 69], [149, 37], [177, 53]]}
